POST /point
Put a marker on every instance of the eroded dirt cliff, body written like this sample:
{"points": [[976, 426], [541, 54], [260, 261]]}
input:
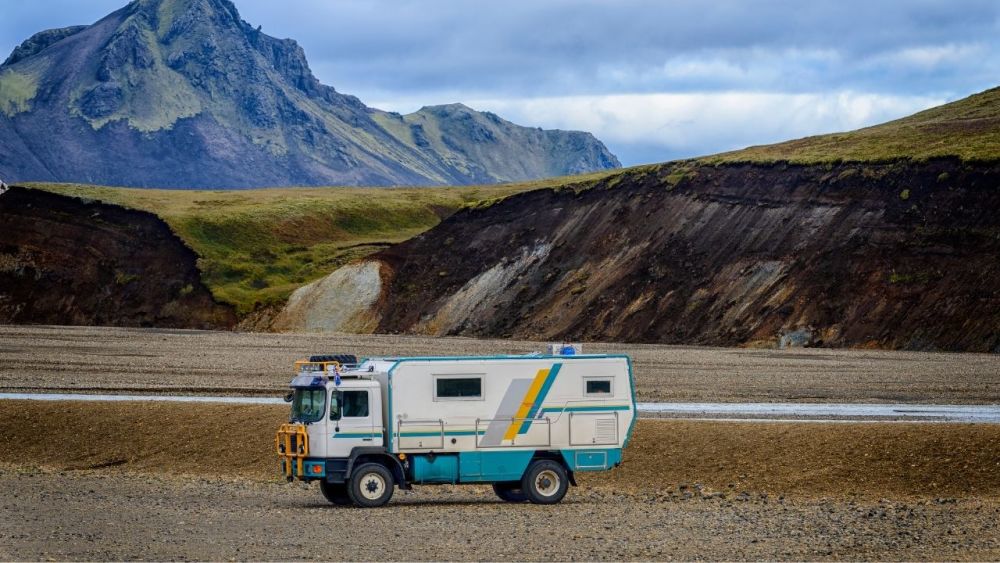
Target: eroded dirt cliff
{"points": [[897, 255], [69, 261]]}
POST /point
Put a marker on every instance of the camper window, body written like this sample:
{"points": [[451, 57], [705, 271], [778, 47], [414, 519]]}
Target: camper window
{"points": [[597, 386], [458, 388]]}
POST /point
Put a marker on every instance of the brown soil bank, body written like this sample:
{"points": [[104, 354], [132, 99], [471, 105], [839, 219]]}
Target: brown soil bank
{"points": [[900, 255], [68, 261], [666, 457]]}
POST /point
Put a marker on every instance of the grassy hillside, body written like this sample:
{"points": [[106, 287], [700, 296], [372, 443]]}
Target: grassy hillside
{"points": [[257, 246], [968, 128]]}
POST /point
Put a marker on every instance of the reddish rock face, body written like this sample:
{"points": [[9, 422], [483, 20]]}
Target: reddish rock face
{"points": [[897, 255], [67, 261]]}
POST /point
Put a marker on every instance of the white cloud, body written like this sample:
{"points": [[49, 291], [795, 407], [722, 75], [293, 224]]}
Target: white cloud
{"points": [[721, 69], [653, 79], [932, 56]]}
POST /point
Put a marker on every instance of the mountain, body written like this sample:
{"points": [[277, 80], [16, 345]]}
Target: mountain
{"points": [[968, 129], [184, 93], [838, 247]]}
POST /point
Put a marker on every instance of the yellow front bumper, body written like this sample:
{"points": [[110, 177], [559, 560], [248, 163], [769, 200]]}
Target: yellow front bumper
{"points": [[292, 445]]}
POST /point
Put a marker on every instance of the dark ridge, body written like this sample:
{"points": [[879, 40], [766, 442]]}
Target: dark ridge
{"points": [[69, 261], [899, 255]]}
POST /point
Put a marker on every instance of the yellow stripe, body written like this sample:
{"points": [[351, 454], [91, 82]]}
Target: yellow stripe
{"points": [[529, 399]]}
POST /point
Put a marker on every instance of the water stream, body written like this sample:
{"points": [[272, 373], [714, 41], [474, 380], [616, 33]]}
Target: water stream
{"points": [[840, 412]]}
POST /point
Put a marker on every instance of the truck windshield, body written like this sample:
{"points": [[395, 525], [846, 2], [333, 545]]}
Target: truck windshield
{"points": [[308, 404]]}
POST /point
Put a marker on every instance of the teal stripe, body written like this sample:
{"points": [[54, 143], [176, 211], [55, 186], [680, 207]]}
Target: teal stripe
{"points": [[631, 381], [500, 357], [356, 435], [447, 433], [540, 398], [586, 409], [390, 430]]}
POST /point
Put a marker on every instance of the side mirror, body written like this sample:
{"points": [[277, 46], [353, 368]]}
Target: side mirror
{"points": [[288, 398]]}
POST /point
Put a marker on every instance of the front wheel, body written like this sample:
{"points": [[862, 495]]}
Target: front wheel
{"points": [[371, 485], [545, 482], [335, 493], [510, 492]]}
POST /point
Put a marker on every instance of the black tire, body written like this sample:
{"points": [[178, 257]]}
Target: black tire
{"points": [[335, 493], [545, 482], [371, 485], [510, 491], [342, 359]]}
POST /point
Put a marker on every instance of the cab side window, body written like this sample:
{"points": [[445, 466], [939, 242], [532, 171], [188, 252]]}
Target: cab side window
{"points": [[355, 404], [335, 403]]}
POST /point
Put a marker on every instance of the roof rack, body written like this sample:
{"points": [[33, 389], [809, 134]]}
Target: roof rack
{"points": [[310, 367]]}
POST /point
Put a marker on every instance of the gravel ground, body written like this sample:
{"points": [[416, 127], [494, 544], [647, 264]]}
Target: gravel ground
{"points": [[110, 516], [858, 460], [138, 481], [135, 360]]}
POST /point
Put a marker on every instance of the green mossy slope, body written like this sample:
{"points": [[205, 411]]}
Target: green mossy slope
{"points": [[968, 129]]}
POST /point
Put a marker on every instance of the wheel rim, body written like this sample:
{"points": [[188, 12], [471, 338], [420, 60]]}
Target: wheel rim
{"points": [[372, 486], [547, 483]]}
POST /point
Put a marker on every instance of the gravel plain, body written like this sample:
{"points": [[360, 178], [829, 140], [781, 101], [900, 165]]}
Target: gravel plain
{"points": [[141, 481], [42, 358], [804, 460], [110, 481], [115, 516]]}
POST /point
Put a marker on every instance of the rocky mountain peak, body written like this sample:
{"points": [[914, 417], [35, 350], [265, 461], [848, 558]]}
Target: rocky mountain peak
{"points": [[196, 83], [40, 41], [178, 16]]}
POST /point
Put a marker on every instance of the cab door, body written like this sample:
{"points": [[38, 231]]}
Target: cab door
{"points": [[358, 422]]}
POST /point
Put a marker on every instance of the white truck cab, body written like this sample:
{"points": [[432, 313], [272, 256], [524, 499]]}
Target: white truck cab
{"points": [[525, 424]]}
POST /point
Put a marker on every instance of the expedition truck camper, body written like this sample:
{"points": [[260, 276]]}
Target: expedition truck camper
{"points": [[525, 424]]}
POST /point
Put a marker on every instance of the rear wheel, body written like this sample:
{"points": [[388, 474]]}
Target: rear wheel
{"points": [[510, 492], [335, 493], [545, 482], [371, 485]]}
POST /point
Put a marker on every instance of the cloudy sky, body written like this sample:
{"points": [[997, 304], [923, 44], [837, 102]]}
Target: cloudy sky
{"points": [[653, 79]]}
